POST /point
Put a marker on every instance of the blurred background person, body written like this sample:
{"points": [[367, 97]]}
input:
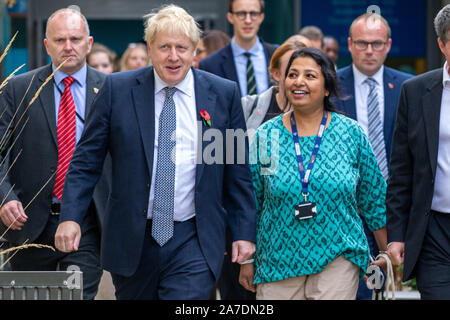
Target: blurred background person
{"points": [[331, 48], [102, 58], [260, 108], [245, 59], [314, 34], [211, 41], [299, 38], [134, 57], [310, 242]]}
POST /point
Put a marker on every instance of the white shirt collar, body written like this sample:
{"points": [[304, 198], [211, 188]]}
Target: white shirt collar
{"points": [[186, 85], [360, 77], [446, 77]]}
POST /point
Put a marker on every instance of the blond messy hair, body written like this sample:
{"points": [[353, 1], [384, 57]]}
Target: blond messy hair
{"points": [[173, 19]]}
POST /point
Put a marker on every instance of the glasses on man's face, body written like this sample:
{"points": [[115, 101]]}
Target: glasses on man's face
{"points": [[241, 15], [363, 45]]}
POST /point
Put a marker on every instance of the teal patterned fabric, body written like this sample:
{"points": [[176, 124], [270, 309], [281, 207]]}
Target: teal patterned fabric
{"points": [[345, 178]]}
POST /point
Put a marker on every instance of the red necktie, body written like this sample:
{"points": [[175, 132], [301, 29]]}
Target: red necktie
{"points": [[66, 136]]}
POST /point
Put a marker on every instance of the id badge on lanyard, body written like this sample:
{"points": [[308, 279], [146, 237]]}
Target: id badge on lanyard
{"points": [[306, 209]]}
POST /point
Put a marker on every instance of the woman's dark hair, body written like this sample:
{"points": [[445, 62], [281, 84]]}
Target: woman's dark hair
{"points": [[328, 71]]}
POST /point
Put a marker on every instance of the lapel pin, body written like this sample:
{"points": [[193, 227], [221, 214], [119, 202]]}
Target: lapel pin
{"points": [[205, 118], [259, 112], [391, 86], [95, 90]]}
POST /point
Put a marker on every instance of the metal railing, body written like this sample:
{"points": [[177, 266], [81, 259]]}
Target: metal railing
{"points": [[41, 285]]}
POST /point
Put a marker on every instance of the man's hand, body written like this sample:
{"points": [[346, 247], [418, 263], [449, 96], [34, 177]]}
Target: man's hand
{"points": [[247, 276], [67, 237], [12, 214], [242, 250], [396, 252]]}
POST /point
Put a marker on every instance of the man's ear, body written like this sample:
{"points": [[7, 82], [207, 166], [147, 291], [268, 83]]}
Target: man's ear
{"points": [[230, 17], [46, 44], [441, 45]]}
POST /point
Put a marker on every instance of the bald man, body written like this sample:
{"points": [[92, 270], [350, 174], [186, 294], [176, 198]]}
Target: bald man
{"points": [[44, 150]]}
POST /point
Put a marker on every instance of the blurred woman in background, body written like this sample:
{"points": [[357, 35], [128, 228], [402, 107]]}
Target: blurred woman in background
{"points": [[102, 58], [134, 57], [260, 108]]}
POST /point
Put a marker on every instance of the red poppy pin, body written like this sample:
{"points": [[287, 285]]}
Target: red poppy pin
{"points": [[391, 86], [205, 118]]}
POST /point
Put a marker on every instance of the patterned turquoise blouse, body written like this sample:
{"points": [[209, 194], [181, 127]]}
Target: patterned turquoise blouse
{"points": [[345, 177]]}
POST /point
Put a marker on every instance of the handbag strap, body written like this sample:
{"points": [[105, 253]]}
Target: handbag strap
{"points": [[390, 280]]}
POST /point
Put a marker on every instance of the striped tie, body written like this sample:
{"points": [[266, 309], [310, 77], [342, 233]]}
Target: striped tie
{"points": [[163, 203], [251, 81], [376, 135], [66, 136]]}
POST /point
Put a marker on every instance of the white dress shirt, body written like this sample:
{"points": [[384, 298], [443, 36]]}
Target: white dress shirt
{"points": [[362, 92], [441, 198], [186, 146]]}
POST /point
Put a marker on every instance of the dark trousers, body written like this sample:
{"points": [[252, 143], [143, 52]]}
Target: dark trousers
{"points": [[228, 283], [87, 258], [433, 265], [176, 271]]}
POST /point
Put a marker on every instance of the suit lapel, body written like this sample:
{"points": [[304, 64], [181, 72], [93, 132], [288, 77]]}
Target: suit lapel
{"points": [[390, 110], [348, 82], [144, 103], [431, 108], [47, 99], [92, 86], [205, 100], [268, 56], [228, 65]]}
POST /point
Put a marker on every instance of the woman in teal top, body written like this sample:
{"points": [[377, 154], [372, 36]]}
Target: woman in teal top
{"points": [[310, 240]]}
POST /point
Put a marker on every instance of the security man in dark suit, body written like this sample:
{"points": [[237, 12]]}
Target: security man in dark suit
{"points": [[417, 201], [39, 147], [372, 91]]}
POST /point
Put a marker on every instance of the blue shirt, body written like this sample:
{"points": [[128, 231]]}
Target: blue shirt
{"points": [[78, 91], [259, 62]]}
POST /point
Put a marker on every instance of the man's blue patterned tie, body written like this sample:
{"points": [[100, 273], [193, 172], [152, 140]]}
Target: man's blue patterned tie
{"points": [[163, 203], [376, 135]]}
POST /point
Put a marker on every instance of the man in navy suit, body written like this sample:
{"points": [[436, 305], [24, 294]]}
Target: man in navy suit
{"points": [[30, 189], [231, 61], [164, 229], [368, 83]]}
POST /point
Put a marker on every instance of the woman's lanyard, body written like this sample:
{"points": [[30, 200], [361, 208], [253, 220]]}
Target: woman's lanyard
{"points": [[61, 93], [305, 175]]}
